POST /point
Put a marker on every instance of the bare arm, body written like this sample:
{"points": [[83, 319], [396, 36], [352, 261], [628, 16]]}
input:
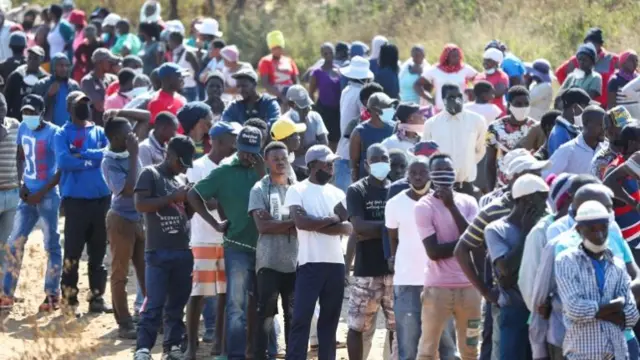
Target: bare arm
{"points": [[303, 221], [132, 176], [491, 167], [344, 229], [423, 88], [198, 205], [147, 204], [354, 155], [393, 240], [614, 181], [438, 251], [266, 224], [366, 229], [313, 87], [264, 81], [474, 270], [20, 163]]}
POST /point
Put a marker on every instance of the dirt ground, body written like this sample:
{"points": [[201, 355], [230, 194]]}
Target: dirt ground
{"points": [[27, 335]]}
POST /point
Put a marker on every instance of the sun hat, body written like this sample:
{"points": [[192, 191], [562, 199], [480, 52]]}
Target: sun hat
{"points": [[540, 68], [209, 26], [357, 69]]}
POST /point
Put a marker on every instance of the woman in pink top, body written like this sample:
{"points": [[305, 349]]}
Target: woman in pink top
{"points": [[78, 20]]}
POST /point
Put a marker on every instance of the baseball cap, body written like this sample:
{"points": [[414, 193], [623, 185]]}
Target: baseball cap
{"points": [[406, 109], [246, 72], [285, 127], [223, 127], [216, 74], [18, 38], [300, 96], [75, 97], [171, 69], [184, 148], [33, 102], [525, 163], [380, 101], [102, 54], [320, 153], [36, 50], [592, 211], [424, 148], [249, 139], [528, 184]]}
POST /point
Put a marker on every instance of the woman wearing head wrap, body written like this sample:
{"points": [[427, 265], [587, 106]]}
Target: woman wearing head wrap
{"points": [[451, 68], [82, 56], [376, 45], [584, 77], [410, 72], [605, 64], [277, 71], [78, 19], [624, 75], [60, 37], [231, 56], [538, 80], [492, 73]]}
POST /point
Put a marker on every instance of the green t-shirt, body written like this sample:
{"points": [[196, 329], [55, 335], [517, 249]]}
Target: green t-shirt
{"points": [[591, 83], [131, 41], [230, 184]]}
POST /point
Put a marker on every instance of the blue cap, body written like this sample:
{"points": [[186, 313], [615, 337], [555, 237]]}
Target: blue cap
{"points": [[191, 113], [249, 140], [169, 69], [18, 38], [33, 102], [222, 127]]}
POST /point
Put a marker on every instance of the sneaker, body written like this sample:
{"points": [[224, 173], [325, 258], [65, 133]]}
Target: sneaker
{"points": [[50, 303], [208, 336], [98, 306], [6, 303], [142, 354], [127, 332], [174, 354]]}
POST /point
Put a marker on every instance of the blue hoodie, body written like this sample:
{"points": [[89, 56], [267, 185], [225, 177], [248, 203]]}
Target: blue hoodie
{"points": [[79, 153]]}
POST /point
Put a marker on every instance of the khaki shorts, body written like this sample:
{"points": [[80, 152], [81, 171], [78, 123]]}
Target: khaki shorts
{"points": [[368, 294]]}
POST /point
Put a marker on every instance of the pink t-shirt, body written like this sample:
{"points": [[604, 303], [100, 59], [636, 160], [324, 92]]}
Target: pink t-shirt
{"points": [[432, 217], [498, 77], [115, 101]]}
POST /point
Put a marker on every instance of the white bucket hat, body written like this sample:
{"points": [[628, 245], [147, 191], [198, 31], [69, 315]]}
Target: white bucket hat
{"points": [[209, 26], [357, 69]]}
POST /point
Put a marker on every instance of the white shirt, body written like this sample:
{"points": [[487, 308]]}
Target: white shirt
{"points": [[462, 136], [541, 95], [189, 80], [629, 97], [349, 110], [573, 157], [438, 78], [54, 38], [411, 259], [488, 111], [318, 201], [392, 142], [201, 232]]}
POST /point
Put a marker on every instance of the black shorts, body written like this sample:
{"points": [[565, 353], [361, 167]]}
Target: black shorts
{"points": [[331, 118]]}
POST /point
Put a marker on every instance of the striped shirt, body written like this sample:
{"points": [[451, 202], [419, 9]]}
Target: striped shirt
{"points": [[586, 336], [8, 152], [474, 235], [627, 217]]}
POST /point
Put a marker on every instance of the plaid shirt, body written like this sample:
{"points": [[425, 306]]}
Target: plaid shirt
{"points": [[586, 336]]}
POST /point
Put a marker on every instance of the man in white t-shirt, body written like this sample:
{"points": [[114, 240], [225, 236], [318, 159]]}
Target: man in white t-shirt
{"points": [[483, 92], [320, 273], [206, 243], [408, 253]]}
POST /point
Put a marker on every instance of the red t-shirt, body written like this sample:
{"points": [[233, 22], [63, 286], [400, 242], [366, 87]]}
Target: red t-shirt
{"points": [[163, 101], [498, 77], [113, 88], [280, 71]]}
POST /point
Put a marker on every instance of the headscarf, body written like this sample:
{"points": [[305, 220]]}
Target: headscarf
{"points": [[493, 54], [588, 50], [153, 18], [443, 65], [275, 39], [230, 53], [623, 57], [376, 45]]}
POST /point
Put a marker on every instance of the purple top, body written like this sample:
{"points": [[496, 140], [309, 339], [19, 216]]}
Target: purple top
{"points": [[328, 88]]}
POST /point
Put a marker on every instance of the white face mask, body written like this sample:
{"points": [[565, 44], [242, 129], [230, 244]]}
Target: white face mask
{"points": [[380, 170], [593, 247], [579, 73], [137, 71], [577, 120], [490, 71], [520, 113], [387, 114], [291, 157]]}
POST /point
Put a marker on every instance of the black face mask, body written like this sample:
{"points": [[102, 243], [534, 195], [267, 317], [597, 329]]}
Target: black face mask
{"points": [[82, 112], [322, 177]]}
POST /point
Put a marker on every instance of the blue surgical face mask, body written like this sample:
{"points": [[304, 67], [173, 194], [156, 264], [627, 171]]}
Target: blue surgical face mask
{"points": [[32, 121], [387, 115], [380, 170]]}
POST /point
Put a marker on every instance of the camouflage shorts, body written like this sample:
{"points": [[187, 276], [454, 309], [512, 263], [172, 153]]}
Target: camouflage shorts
{"points": [[368, 294]]}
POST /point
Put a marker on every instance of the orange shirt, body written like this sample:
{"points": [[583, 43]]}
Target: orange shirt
{"points": [[280, 71], [163, 101]]}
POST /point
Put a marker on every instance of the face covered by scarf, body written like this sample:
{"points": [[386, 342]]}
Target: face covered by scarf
{"points": [[623, 58], [443, 63]]}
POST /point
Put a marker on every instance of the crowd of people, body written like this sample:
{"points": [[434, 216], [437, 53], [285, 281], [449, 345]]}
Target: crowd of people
{"points": [[485, 216]]}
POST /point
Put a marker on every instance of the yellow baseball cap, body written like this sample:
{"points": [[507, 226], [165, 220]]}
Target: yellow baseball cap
{"points": [[285, 127]]}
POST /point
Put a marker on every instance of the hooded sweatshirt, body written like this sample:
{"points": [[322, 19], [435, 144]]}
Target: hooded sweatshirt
{"points": [[81, 176]]}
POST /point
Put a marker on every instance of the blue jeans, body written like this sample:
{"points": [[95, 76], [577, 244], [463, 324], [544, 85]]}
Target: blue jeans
{"points": [[633, 348], [25, 220], [168, 283], [137, 304], [514, 332], [342, 174], [487, 330], [408, 307], [209, 312], [323, 282], [191, 94], [240, 269], [8, 206]]}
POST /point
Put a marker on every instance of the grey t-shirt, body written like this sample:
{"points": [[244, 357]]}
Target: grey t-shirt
{"points": [[315, 128], [168, 228], [115, 172], [278, 252], [96, 90], [501, 237]]}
